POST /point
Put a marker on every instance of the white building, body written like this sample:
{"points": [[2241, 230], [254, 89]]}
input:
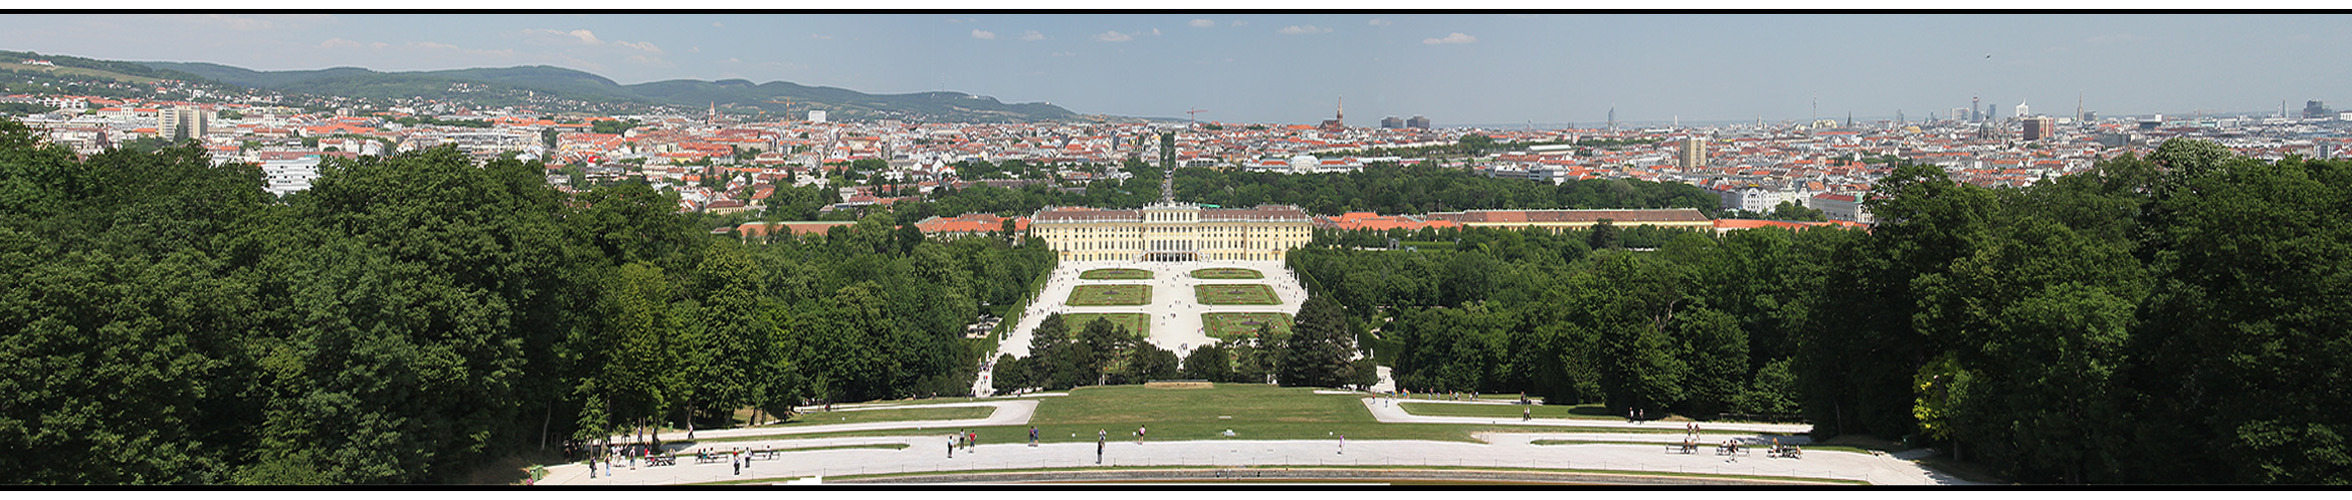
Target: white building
{"points": [[287, 176], [1845, 207], [1758, 199], [816, 116]]}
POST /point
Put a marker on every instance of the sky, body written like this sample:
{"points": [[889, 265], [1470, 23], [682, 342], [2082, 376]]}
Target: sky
{"points": [[1457, 69]]}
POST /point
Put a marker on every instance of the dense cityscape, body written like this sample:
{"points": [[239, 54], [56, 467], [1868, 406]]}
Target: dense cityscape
{"points": [[535, 275]]}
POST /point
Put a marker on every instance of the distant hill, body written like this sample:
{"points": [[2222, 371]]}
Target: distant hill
{"points": [[572, 84]]}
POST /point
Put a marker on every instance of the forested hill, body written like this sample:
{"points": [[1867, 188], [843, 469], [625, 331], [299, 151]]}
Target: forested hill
{"points": [[572, 84]]}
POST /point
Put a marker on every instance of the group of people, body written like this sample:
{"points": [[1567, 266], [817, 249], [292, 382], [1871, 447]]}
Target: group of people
{"points": [[970, 441]]}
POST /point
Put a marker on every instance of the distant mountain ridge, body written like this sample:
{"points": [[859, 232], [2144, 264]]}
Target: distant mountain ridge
{"points": [[574, 84]]}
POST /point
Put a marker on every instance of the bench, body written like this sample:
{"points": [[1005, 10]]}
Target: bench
{"points": [[1732, 450], [1683, 448], [704, 458], [765, 454], [1786, 452], [661, 460]]}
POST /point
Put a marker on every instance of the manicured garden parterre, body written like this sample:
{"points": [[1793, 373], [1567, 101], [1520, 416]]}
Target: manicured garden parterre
{"points": [[1226, 325], [1110, 295], [1115, 274], [1227, 273], [1236, 295], [1138, 323]]}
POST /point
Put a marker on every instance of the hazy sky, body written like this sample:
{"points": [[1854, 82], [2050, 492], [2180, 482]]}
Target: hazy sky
{"points": [[1456, 69]]}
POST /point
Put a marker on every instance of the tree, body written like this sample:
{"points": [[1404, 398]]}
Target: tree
{"points": [[1319, 347], [1604, 235], [1211, 362]]}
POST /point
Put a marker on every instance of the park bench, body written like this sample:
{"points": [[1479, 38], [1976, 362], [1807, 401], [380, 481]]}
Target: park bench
{"points": [[1732, 449], [765, 454], [661, 460], [1787, 452], [708, 457], [1683, 448]]}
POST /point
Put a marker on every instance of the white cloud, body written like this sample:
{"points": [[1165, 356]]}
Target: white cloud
{"points": [[983, 34], [731, 60], [1202, 23], [716, 24], [338, 43], [644, 46], [1031, 36], [820, 36], [1239, 23], [1450, 38], [1155, 32], [1064, 54], [1113, 36], [1303, 30], [1379, 22], [584, 37]]}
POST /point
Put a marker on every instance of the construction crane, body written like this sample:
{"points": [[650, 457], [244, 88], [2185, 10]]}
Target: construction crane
{"points": [[1194, 114], [787, 102]]}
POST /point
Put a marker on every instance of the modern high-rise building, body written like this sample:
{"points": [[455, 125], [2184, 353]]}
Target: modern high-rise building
{"points": [[1417, 121], [2039, 127], [182, 122], [2316, 109], [1392, 122], [1973, 104], [1694, 152], [2022, 110], [817, 116]]}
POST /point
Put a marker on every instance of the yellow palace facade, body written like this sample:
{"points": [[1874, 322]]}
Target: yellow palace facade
{"points": [[1169, 231]]}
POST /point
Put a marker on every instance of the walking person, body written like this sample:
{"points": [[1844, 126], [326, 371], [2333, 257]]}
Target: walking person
{"points": [[1343, 444], [951, 447], [1138, 434], [1032, 436], [1101, 438], [975, 440]]}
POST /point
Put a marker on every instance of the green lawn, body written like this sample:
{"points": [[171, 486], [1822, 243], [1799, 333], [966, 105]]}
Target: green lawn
{"points": [[1137, 323], [1228, 273], [1115, 274], [1229, 325], [1110, 295], [1586, 412], [890, 415], [1257, 411], [1238, 295]]}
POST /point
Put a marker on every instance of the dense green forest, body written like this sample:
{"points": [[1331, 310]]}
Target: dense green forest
{"points": [[412, 318], [2178, 318], [1383, 188]]}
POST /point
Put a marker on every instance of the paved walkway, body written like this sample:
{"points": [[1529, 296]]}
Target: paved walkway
{"points": [[1175, 315], [1504, 450], [1386, 412]]}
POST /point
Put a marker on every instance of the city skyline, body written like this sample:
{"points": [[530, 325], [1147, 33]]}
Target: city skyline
{"points": [[1457, 69]]}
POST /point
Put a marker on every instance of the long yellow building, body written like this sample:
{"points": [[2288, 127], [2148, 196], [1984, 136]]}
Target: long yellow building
{"points": [[1170, 231]]}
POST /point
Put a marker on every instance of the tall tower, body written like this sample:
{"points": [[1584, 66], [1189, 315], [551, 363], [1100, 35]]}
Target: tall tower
{"points": [[2023, 111], [1973, 106], [1612, 118], [713, 116], [2078, 116]]}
